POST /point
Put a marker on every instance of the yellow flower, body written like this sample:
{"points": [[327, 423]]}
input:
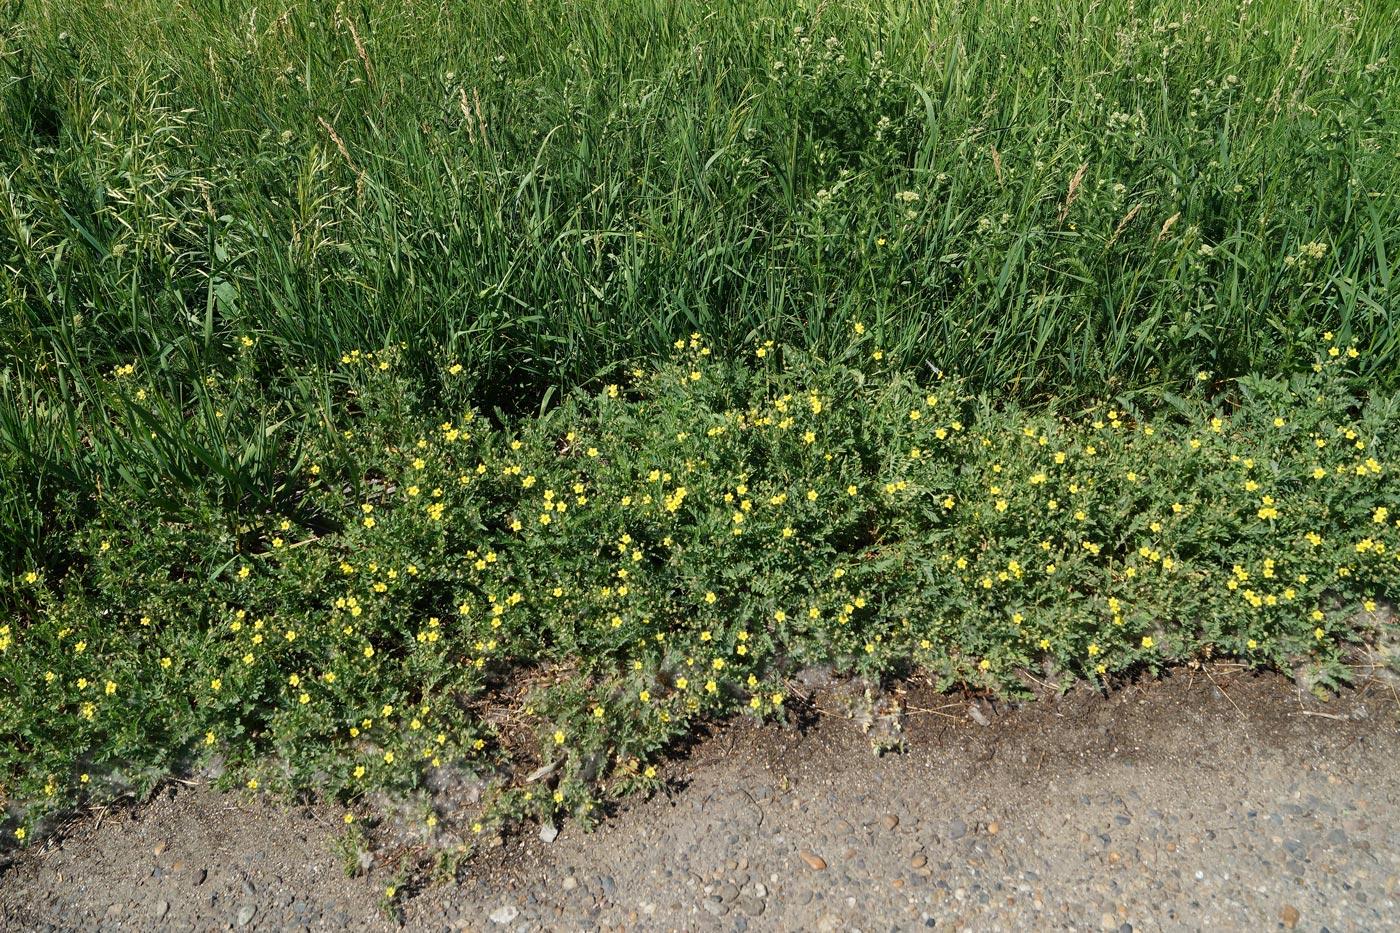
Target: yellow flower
{"points": [[558, 737], [1147, 641]]}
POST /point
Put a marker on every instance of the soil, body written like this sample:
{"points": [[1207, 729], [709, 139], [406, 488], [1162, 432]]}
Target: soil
{"points": [[1213, 798]]}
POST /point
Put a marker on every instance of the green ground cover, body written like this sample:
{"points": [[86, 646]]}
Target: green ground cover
{"points": [[356, 426], [578, 589]]}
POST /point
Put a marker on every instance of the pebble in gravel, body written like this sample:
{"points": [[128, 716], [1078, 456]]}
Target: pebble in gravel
{"points": [[505, 914]]}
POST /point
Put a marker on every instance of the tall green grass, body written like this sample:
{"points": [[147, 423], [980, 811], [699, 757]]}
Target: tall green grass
{"points": [[1051, 198]]}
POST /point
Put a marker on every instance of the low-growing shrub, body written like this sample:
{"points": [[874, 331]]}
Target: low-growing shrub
{"points": [[541, 605]]}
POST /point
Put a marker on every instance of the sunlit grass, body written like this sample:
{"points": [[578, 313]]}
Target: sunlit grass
{"points": [[958, 267]]}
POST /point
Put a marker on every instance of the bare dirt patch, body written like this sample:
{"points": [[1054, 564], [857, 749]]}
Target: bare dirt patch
{"points": [[1211, 797]]}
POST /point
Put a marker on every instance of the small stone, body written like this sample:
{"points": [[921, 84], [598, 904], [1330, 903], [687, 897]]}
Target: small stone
{"points": [[957, 829], [889, 821], [609, 886], [160, 847], [549, 832], [245, 914], [918, 861], [750, 905], [993, 828], [978, 716], [570, 883], [248, 888], [1108, 922], [715, 906], [504, 914], [162, 908], [897, 883], [198, 875], [814, 861], [1289, 915]]}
